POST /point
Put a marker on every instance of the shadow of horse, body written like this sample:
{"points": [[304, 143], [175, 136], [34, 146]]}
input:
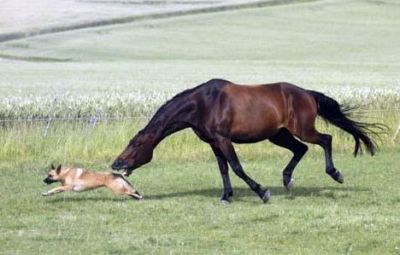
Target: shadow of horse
{"points": [[240, 194], [244, 192]]}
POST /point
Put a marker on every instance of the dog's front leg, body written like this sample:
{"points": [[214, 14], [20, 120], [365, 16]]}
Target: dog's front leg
{"points": [[56, 190]]}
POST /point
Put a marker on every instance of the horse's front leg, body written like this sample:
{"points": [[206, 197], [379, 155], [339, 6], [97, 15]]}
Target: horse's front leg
{"points": [[223, 168], [225, 145]]}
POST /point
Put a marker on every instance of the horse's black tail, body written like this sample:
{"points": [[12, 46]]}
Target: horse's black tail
{"points": [[330, 110]]}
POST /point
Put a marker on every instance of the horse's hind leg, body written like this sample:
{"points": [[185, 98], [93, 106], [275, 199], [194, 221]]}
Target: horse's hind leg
{"points": [[325, 141], [225, 145], [285, 139], [223, 167]]}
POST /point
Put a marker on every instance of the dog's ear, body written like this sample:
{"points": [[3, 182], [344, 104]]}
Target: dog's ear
{"points": [[52, 166], [58, 170]]}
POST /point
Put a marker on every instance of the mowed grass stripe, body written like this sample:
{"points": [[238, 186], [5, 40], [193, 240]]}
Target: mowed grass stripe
{"points": [[330, 46], [339, 31], [4, 37]]}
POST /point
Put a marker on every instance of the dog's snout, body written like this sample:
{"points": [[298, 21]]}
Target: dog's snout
{"points": [[48, 180]]}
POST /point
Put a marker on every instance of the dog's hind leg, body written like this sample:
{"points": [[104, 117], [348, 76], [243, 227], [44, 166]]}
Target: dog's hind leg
{"points": [[130, 191], [56, 190], [120, 186], [135, 195]]}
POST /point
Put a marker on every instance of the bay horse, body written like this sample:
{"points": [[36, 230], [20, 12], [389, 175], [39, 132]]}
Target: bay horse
{"points": [[221, 113]]}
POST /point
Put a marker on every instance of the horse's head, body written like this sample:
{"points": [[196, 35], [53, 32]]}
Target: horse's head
{"points": [[138, 152]]}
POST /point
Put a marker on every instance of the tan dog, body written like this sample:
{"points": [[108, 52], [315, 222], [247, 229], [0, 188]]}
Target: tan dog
{"points": [[78, 179]]}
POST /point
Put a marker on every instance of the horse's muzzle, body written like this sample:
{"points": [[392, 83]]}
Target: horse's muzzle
{"points": [[118, 165]]}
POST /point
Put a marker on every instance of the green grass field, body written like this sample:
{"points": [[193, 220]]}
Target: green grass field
{"points": [[347, 49], [181, 213]]}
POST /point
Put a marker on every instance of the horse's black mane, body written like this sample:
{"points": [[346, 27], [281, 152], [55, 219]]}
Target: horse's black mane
{"points": [[172, 103], [176, 100]]}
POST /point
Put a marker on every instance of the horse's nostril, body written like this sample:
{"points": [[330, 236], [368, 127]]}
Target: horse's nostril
{"points": [[117, 164]]}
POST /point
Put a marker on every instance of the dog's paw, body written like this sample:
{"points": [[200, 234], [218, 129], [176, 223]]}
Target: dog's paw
{"points": [[45, 194]]}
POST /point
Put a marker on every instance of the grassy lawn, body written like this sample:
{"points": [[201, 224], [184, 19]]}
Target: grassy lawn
{"points": [[181, 212]]}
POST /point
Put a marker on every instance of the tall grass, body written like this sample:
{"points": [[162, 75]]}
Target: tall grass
{"points": [[78, 141], [143, 103]]}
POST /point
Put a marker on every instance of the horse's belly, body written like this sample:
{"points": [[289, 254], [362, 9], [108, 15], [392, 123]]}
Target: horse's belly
{"points": [[253, 130]]}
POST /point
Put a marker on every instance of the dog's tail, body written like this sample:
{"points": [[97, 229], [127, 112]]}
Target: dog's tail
{"points": [[339, 115]]}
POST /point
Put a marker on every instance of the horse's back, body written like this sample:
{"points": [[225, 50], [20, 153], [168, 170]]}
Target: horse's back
{"points": [[255, 102], [258, 112], [248, 113]]}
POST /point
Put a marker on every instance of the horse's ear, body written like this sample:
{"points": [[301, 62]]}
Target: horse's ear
{"points": [[58, 170], [52, 166]]}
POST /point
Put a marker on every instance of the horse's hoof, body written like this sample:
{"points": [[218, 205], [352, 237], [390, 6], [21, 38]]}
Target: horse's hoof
{"points": [[267, 196], [339, 178], [225, 202], [226, 198], [290, 185]]}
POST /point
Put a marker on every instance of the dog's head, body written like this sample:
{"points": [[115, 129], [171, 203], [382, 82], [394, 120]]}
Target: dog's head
{"points": [[53, 175]]}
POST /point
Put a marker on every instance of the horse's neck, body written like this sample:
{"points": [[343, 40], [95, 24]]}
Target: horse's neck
{"points": [[171, 121], [172, 128], [158, 134]]}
